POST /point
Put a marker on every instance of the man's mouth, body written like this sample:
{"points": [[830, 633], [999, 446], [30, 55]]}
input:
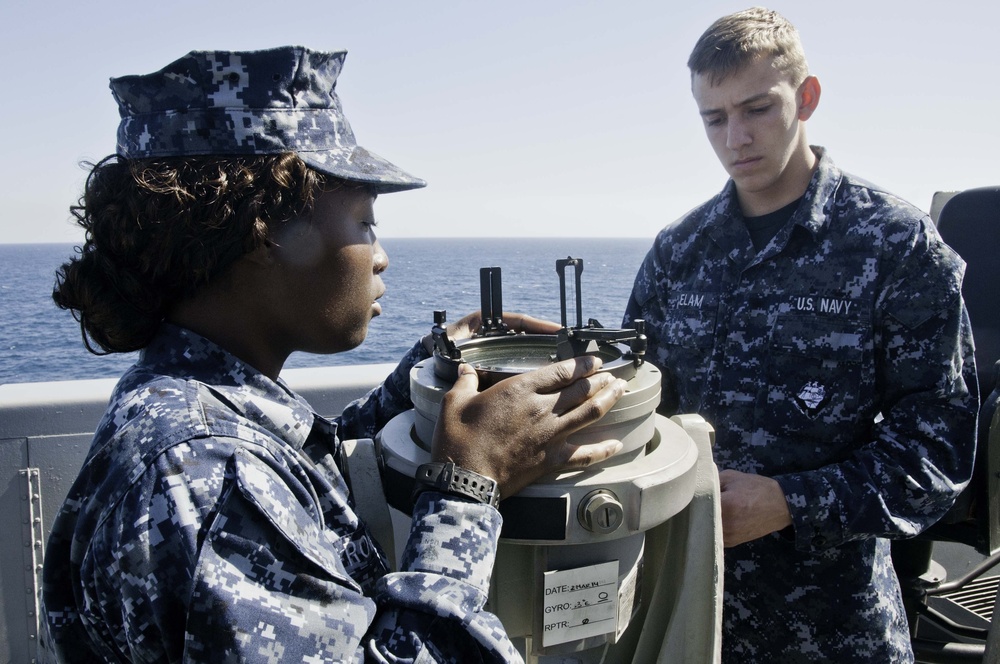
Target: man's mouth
{"points": [[747, 161]]}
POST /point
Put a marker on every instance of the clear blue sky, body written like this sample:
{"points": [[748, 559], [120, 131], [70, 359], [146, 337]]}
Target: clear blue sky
{"points": [[528, 118]]}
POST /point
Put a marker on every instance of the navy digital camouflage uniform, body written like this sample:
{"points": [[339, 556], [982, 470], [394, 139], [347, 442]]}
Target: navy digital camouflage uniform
{"points": [[839, 361], [211, 522]]}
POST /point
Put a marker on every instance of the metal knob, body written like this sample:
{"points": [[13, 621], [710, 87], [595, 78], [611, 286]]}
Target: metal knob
{"points": [[601, 512]]}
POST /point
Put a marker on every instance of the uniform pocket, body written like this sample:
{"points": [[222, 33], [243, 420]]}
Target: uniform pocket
{"points": [[292, 522], [687, 339], [817, 377], [268, 561], [690, 320]]}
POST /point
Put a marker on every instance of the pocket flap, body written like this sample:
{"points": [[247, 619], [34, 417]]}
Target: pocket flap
{"points": [[840, 340]]}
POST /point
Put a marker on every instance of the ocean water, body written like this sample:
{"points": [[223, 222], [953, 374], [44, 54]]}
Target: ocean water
{"points": [[40, 342]]}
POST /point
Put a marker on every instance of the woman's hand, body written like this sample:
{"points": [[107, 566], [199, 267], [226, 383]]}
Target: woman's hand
{"points": [[515, 431], [470, 324]]}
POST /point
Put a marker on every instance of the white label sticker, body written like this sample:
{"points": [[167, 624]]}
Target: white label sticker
{"points": [[627, 599], [580, 603]]}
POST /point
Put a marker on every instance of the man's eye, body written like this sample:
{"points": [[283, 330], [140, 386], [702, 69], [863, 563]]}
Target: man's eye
{"points": [[713, 122], [759, 110]]}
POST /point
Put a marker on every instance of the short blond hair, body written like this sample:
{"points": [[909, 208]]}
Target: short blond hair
{"points": [[735, 41]]}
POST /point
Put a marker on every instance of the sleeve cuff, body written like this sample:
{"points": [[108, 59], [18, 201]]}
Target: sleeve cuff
{"points": [[454, 538], [816, 519]]}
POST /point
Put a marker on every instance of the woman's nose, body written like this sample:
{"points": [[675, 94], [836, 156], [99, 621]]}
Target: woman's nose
{"points": [[380, 260]]}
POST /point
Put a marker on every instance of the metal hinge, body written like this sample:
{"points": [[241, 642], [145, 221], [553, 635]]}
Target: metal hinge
{"points": [[33, 549]]}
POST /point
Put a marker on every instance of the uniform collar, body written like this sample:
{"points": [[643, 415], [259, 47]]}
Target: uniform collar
{"points": [[724, 221], [183, 354], [820, 194]]}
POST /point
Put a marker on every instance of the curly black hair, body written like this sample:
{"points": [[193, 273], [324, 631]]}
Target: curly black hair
{"points": [[158, 230]]}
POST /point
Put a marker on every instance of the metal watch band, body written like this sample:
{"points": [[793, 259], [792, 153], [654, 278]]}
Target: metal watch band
{"points": [[450, 479]]}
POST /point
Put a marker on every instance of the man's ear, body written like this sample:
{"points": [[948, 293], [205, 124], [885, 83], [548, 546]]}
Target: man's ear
{"points": [[808, 97]]}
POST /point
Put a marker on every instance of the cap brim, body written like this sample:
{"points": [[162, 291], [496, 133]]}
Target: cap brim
{"points": [[360, 165]]}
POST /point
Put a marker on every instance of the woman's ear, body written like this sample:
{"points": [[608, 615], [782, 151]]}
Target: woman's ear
{"points": [[809, 93], [262, 256]]}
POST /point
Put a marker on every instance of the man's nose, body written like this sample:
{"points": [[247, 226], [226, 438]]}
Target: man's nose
{"points": [[737, 134]]}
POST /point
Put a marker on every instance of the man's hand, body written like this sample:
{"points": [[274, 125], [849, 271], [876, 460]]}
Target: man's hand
{"points": [[515, 431], [752, 506]]}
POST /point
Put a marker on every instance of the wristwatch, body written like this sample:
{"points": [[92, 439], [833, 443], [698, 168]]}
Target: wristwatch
{"points": [[449, 479]]}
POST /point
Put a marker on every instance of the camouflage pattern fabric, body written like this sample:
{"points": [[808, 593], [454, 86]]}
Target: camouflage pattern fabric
{"points": [[838, 360], [212, 523], [249, 102]]}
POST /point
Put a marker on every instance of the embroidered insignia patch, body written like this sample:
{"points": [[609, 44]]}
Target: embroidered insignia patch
{"points": [[811, 398]]}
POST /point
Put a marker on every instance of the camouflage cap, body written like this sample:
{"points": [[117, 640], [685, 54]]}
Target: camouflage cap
{"points": [[249, 102]]}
